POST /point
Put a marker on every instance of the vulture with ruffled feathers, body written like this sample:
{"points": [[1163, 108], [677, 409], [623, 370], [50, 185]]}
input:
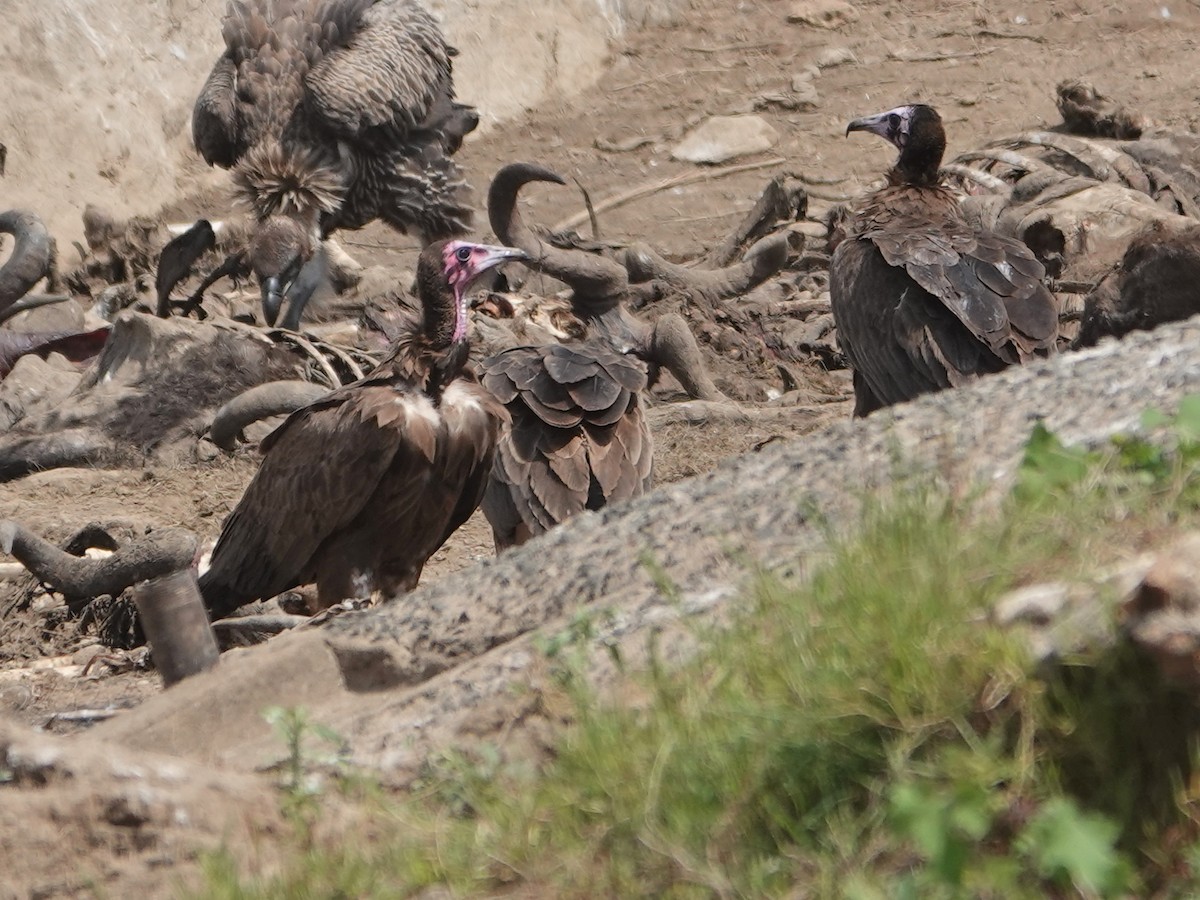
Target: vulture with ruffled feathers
{"points": [[921, 299], [578, 437], [359, 488], [333, 113]]}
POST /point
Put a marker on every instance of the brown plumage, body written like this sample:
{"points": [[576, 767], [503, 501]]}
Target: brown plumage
{"points": [[923, 301], [578, 438], [358, 489], [334, 113]]}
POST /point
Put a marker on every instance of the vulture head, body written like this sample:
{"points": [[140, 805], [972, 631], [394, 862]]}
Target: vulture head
{"points": [[289, 191], [280, 248], [916, 131], [445, 272]]}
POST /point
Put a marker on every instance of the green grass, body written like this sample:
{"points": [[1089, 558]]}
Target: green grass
{"points": [[863, 734]]}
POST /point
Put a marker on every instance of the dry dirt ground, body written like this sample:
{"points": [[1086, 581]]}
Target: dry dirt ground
{"points": [[990, 68]]}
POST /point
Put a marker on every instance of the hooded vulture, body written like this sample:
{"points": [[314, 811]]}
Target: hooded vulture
{"points": [[333, 113], [578, 438], [359, 488], [922, 300]]}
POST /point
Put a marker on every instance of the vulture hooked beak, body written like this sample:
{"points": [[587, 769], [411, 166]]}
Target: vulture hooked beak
{"points": [[272, 299], [465, 264], [297, 282], [284, 257], [888, 125], [495, 256]]}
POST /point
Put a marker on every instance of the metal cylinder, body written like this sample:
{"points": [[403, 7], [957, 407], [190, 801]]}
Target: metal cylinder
{"points": [[176, 625]]}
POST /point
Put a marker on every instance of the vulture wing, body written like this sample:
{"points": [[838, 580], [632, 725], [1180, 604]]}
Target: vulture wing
{"points": [[390, 74], [321, 467], [270, 46], [900, 340], [578, 438], [215, 130], [992, 284]]}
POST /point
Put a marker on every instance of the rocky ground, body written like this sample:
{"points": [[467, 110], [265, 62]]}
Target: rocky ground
{"points": [[426, 672]]}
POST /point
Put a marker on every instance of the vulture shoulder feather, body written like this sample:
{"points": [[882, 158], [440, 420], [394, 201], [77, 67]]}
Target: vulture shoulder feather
{"points": [[578, 438]]}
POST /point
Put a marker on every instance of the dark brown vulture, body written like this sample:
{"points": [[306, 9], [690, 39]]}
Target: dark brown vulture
{"points": [[922, 300], [359, 488], [333, 113], [578, 438]]}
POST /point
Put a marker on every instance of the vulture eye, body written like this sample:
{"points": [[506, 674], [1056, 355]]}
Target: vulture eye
{"points": [[894, 121], [462, 254]]}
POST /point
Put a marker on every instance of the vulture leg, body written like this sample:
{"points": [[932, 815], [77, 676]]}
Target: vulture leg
{"points": [[674, 347], [233, 264], [311, 275], [508, 530]]}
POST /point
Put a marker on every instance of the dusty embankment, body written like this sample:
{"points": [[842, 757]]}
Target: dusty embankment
{"points": [[440, 665]]}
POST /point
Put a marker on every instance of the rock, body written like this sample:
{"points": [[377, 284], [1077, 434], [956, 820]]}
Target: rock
{"points": [[805, 94], [1172, 582], [809, 229], [65, 316], [1162, 614], [149, 811], [803, 99], [1058, 618], [1037, 604], [34, 380], [822, 13], [808, 73], [835, 56], [723, 138]]}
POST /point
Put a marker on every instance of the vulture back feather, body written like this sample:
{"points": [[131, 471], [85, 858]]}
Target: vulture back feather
{"points": [[578, 438]]}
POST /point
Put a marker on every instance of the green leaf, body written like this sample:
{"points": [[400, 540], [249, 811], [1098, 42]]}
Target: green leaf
{"points": [[1143, 458], [1187, 420], [1154, 418], [1065, 842], [1048, 466], [943, 825]]}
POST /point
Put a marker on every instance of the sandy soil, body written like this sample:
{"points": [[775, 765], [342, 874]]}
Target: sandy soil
{"points": [[990, 68]]}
